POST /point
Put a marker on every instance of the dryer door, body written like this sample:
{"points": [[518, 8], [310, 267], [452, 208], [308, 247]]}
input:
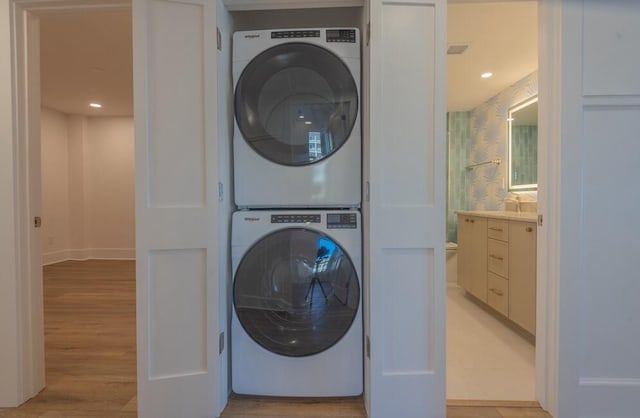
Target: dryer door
{"points": [[296, 104], [296, 292]]}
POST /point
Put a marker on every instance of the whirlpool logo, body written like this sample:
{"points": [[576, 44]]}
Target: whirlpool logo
{"points": [[252, 36], [251, 218]]}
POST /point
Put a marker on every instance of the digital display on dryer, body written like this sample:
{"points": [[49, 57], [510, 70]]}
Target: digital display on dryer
{"points": [[341, 35], [342, 221]]}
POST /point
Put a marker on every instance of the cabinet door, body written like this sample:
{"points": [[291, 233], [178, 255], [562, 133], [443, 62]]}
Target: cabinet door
{"points": [[465, 249], [472, 255], [522, 275]]}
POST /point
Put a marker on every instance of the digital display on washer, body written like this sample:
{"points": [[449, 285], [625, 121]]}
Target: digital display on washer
{"points": [[342, 221], [341, 35]]}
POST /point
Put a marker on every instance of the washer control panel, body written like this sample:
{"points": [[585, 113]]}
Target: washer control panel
{"points": [[342, 221], [296, 218]]}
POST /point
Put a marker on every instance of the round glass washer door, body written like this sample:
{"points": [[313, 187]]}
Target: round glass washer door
{"points": [[296, 104], [296, 292]]}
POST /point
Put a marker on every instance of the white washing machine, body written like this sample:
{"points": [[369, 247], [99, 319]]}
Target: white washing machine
{"points": [[297, 136], [296, 325]]}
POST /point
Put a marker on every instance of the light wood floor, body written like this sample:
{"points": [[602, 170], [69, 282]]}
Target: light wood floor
{"points": [[91, 357], [90, 342]]}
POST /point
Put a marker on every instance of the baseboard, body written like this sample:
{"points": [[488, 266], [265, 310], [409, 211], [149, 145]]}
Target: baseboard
{"points": [[55, 257], [89, 254], [495, 403]]}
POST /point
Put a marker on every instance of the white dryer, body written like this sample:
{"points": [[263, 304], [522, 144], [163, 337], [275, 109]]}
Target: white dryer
{"points": [[297, 136], [296, 325]]}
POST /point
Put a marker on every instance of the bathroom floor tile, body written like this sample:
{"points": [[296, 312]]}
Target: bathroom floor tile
{"points": [[485, 359]]}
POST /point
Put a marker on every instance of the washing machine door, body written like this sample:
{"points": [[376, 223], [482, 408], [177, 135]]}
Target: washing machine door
{"points": [[296, 292], [296, 104]]}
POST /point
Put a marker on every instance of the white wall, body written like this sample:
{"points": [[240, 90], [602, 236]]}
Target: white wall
{"points": [[55, 183], [87, 187], [110, 180]]}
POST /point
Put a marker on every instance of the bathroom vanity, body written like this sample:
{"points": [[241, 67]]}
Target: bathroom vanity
{"points": [[497, 262]]}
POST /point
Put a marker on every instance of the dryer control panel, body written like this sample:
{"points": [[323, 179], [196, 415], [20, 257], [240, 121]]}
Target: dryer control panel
{"points": [[295, 34], [342, 221], [341, 35], [296, 218], [332, 35]]}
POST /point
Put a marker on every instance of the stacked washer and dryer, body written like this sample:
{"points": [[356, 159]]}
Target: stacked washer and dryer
{"points": [[296, 325]]}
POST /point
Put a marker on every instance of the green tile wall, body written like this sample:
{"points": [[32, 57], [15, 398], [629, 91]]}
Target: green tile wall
{"points": [[458, 149]]}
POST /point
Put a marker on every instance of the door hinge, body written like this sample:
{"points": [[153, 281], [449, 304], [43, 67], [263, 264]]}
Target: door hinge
{"points": [[218, 39], [368, 347], [220, 192], [37, 222], [368, 32], [221, 343], [539, 220]]}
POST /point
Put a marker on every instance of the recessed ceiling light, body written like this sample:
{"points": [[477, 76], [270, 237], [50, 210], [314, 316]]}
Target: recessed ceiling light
{"points": [[487, 75], [95, 105], [307, 122]]}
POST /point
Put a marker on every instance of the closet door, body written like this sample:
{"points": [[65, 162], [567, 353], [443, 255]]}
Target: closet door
{"points": [[175, 100], [406, 175], [589, 239]]}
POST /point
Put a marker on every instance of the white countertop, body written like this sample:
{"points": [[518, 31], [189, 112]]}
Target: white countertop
{"points": [[502, 214]]}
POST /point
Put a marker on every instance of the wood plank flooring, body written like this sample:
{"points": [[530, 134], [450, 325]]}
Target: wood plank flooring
{"points": [[90, 339], [265, 407], [90, 342]]}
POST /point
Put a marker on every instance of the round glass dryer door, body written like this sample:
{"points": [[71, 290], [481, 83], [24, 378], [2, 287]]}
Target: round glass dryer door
{"points": [[296, 104], [296, 292]]}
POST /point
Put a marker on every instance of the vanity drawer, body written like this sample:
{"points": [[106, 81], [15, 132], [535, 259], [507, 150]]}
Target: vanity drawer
{"points": [[498, 293], [498, 229], [498, 257]]}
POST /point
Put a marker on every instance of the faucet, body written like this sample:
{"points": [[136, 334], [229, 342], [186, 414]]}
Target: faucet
{"points": [[515, 200]]}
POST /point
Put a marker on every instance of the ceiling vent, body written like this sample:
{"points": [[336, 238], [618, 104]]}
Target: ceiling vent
{"points": [[456, 49]]}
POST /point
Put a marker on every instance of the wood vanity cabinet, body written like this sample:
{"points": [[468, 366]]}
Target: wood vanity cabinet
{"points": [[497, 265], [522, 274], [472, 255]]}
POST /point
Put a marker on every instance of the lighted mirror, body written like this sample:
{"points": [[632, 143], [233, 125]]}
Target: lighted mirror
{"points": [[523, 146]]}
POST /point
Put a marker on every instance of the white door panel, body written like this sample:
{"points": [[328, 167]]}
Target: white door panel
{"points": [[597, 199], [407, 177], [176, 208]]}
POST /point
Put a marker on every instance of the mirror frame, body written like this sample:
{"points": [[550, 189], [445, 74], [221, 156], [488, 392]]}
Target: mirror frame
{"points": [[512, 110]]}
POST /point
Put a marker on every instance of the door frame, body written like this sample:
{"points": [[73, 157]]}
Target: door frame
{"points": [[548, 313], [549, 231], [25, 24]]}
